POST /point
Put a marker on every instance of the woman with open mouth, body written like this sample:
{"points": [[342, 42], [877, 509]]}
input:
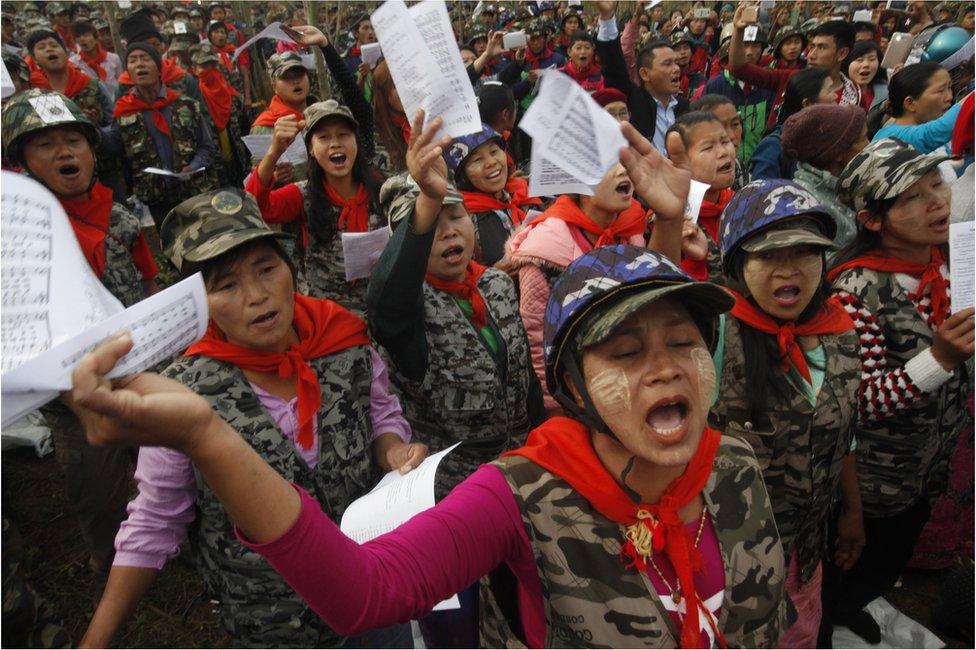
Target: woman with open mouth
{"points": [[299, 381], [789, 373], [894, 281], [339, 196], [494, 196], [629, 523]]}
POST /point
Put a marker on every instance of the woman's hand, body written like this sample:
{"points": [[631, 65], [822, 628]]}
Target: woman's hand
{"points": [[660, 182], [312, 36], [286, 129], [406, 456], [851, 539], [425, 160], [953, 340], [144, 410], [694, 243]]}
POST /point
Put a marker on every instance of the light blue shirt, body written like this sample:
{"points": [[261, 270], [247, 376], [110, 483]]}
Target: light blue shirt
{"points": [[663, 121]]}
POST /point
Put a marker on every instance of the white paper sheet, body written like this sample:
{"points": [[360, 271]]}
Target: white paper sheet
{"points": [[308, 60], [258, 145], [394, 500], [271, 31], [6, 83], [371, 53], [360, 250], [696, 194], [863, 16], [549, 179], [426, 65], [962, 266], [171, 174]]}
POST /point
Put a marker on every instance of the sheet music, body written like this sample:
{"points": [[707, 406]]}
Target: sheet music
{"points": [[271, 31], [962, 266], [549, 179], [258, 145], [361, 250]]}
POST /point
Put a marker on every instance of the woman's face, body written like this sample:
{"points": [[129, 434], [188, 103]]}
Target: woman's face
{"points": [[711, 150], [863, 69], [571, 25], [487, 167], [334, 147], [467, 56], [651, 382], [453, 243], [62, 159], [826, 94], [920, 215], [783, 281], [614, 192], [252, 302], [934, 101], [790, 48], [292, 86]]}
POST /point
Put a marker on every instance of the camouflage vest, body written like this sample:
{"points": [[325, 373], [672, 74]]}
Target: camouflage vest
{"points": [[257, 607], [800, 448], [89, 97], [465, 395], [141, 153], [904, 457], [323, 265], [593, 600], [121, 277]]}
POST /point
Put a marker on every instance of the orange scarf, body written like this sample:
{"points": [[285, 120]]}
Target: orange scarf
{"points": [[77, 81], [708, 218], [466, 290], [171, 74], [94, 61], [89, 218], [132, 103], [219, 96], [276, 109], [323, 328], [354, 213], [225, 53], [929, 275], [563, 446], [831, 319], [518, 196], [628, 223]]}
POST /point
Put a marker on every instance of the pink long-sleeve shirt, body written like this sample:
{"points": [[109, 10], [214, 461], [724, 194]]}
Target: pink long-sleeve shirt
{"points": [[164, 508], [401, 575]]}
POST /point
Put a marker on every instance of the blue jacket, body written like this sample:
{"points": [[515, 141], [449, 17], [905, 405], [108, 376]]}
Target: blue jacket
{"points": [[753, 108], [767, 160]]}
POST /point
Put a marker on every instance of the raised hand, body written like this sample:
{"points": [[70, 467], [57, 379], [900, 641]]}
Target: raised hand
{"points": [[286, 129], [660, 182], [425, 160], [606, 8], [312, 35]]}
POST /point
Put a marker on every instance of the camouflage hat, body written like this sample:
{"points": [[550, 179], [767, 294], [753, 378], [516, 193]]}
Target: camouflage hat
{"points": [[55, 8], [399, 194], [321, 110], [463, 146], [282, 62], [477, 32], [538, 26], [801, 232], [99, 23], [195, 13], [202, 54], [883, 170], [210, 224], [786, 32], [35, 110], [682, 37], [16, 66]]}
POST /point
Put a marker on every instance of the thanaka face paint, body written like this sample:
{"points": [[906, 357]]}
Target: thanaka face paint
{"points": [[706, 374], [610, 391]]}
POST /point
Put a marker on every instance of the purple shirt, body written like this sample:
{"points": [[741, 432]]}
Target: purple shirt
{"points": [[164, 508]]}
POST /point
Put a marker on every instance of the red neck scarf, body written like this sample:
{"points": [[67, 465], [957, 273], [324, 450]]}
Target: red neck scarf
{"points": [[219, 96], [466, 290], [628, 223], [171, 74], [323, 328], [132, 103], [518, 193], [66, 36], [708, 218], [563, 447], [354, 51], [536, 61], [94, 61], [77, 81], [929, 275], [401, 121], [354, 213], [89, 218], [225, 53], [831, 319], [591, 79], [276, 109]]}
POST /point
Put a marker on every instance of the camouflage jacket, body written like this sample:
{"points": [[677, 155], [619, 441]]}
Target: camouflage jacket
{"points": [[89, 98], [593, 600], [800, 447], [121, 277], [141, 153], [323, 265], [465, 394], [904, 457], [257, 607]]}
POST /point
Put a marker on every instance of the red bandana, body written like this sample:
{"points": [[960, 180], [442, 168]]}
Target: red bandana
{"points": [[591, 79], [354, 213], [77, 81], [518, 192], [219, 96], [171, 74], [276, 109], [94, 61], [323, 328], [563, 447], [466, 290], [133, 103], [628, 223], [535, 61], [929, 275], [831, 319]]}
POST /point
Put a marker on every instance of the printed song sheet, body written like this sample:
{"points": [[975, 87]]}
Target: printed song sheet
{"points": [[271, 31], [962, 267], [360, 250], [258, 145], [394, 500], [426, 65], [371, 53]]}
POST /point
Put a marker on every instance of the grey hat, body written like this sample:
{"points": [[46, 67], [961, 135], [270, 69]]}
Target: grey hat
{"points": [[399, 194], [883, 170], [321, 110]]}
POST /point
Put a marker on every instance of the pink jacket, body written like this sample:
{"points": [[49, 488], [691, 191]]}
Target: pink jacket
{"points": [[539, 245]]}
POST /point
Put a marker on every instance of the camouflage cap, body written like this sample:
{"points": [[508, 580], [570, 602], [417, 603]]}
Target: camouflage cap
{"points": [[35, 110], [883, 170], [321, 110], [799, 233], [538, 26], [195, 13], [99, 23], [202, 54], [281, 62], [399, 194], [682, 37], [210, 224], [16, 66], [55, 8]]}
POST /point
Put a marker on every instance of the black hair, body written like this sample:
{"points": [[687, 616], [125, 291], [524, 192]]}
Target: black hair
{"points": [[81, 27], [493, 98], [860, 49], [841, 31], [864, 26], [865, 240], [461, 180], [39, 35], [210, 268], [645, 55], [579, 35], [805, 85], [682, 126], [709, 102], [910, 81]]}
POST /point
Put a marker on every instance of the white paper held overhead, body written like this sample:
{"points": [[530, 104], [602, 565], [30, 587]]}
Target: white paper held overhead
{"points": [[171, 174], [371, 53], [961, 264], [258, 145], [273, 31]]}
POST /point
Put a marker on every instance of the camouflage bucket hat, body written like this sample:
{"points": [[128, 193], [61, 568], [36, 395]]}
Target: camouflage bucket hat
{"points": [[322, 110], [883, 170], [399, 194], [210, 224], [282, 62], [35, 110]]}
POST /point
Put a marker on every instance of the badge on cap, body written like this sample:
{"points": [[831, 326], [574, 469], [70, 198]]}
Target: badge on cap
{"points": [[751, 32], [227, 203], [179, 28], [51, 108]]}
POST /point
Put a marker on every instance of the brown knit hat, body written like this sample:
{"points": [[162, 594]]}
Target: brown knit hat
{"points": [[819, 134]]}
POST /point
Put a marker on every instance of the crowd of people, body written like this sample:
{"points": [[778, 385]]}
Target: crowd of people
{"points": [[732, 430]]}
